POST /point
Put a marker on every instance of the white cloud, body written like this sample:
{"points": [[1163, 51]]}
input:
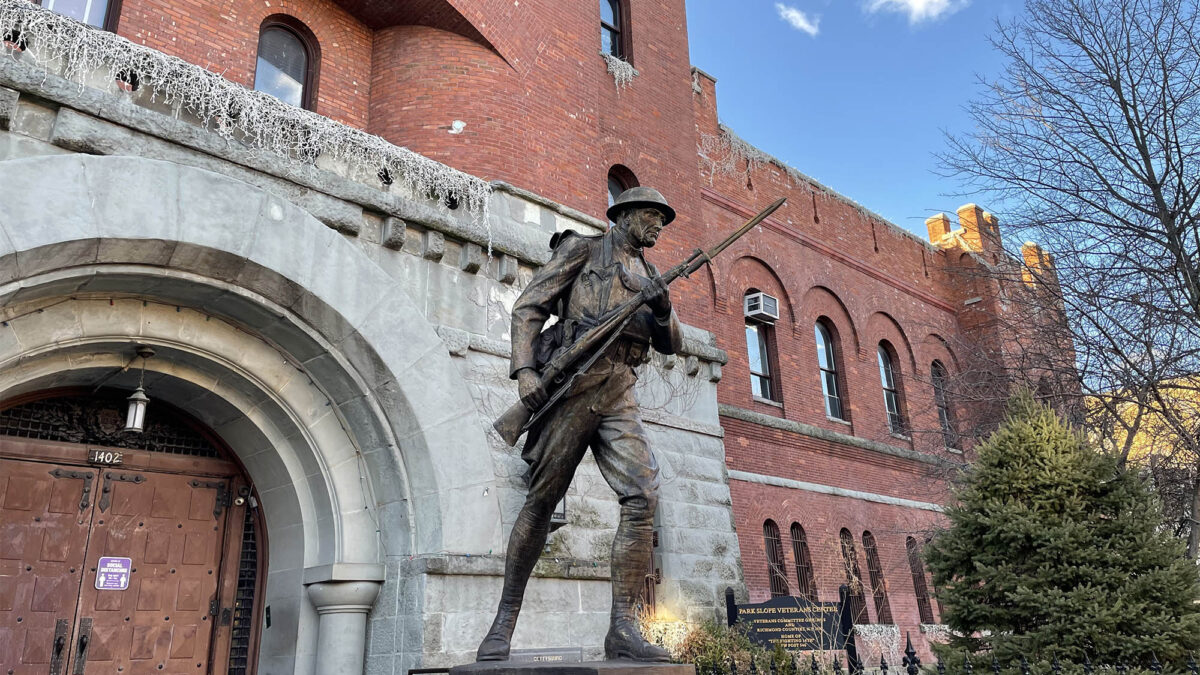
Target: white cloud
{"points": [[917, 10], [799, 20]]}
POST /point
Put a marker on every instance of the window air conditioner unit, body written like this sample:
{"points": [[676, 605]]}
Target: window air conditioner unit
{"points": [[761, 307]]}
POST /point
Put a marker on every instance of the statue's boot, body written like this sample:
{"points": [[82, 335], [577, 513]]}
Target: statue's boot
{"points": [[631, 553], [525, 545], [625, 641]]}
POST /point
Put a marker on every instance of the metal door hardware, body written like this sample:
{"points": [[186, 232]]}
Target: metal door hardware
{"points": [[61, 628], [224, 495], [81, 649], [109, 477], [86, 477]]}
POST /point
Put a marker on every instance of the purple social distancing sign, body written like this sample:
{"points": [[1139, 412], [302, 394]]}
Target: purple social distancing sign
{"points": [[112, 574]]}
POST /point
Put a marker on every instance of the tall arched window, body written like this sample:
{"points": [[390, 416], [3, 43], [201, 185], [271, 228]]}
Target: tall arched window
{"points": [[889, 376], [620, 179], [918, 577], [760, 354], [883, 610], [613, 36], [858, 604], [806, 585], [775, 566], [287, 61], [827, 357], [938, 377], [98, 13]]}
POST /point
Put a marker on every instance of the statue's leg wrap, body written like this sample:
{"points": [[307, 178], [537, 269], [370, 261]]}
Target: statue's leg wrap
{"points": [[560, 447], [631, 553], [629, 467], [525, 545]]}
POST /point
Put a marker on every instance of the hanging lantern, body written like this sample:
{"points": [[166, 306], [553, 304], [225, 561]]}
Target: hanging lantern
{"points": [[135, 416]]}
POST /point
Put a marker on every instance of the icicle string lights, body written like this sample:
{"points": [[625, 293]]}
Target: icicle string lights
{"points": [[621, 70], [250, 117]]}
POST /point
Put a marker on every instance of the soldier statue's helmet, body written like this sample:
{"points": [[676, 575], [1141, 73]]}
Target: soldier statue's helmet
{"points": [[641, 197]]}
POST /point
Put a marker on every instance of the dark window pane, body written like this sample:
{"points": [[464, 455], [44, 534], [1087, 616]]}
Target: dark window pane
{"points": [[918, 576], [858, 604], [883, 609], [282, 66], [806, 584], [938, 376], [90, 12], [775, 569], [891, 393], [614, 189]]}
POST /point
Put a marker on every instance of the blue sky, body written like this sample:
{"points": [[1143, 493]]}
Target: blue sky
{"points": [[855, 93]]}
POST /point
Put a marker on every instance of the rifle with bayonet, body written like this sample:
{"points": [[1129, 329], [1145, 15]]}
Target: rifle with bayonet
{"points": [[568, 363]]}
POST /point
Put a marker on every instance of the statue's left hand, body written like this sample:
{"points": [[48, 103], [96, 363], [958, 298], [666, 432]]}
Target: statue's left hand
{"points": [[658, 296]]}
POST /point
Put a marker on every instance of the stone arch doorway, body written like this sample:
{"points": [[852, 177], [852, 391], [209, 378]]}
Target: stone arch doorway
{"points": [[286, 340], [119, 532]]}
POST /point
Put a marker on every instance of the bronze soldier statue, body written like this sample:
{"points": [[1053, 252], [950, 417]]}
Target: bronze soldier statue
{"points": [[586, 278]]}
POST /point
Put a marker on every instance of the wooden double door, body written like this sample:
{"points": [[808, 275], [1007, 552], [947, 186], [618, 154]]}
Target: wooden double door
{"points": [[178, 520]]}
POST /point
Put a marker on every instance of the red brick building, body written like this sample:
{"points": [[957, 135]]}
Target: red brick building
{"points": [[844, 333]]}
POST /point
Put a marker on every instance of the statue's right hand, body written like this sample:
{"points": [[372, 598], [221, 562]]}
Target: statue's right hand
{"points": [[529, 386]]}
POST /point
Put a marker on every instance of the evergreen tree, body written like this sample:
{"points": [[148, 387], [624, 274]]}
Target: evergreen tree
{"points": [[1054, 551]]}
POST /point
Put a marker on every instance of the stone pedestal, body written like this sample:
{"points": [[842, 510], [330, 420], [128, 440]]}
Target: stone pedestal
{"points": [[589, 668]]}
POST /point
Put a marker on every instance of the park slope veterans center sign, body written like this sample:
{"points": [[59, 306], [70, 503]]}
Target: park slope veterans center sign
{"points": [[796, 624]]}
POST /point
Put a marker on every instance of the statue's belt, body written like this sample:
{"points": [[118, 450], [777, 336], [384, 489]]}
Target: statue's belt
{"points": [[624, 350]]}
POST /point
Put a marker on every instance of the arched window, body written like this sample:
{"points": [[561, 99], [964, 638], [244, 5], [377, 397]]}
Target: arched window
{"points": [[918, 577], [98, 13], [889, 376], [613, 36], [775, 566], [938, 377], [806, 585], [760, 354], [287, 61], [827, 357], [858, 604], [883, 610], [620, 179]]}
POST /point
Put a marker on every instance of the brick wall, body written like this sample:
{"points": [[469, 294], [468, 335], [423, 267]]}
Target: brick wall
{"points": [[823, 517], [223, 37]]}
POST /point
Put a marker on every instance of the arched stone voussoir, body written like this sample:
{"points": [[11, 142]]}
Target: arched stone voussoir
{"points": [[286, 275]]}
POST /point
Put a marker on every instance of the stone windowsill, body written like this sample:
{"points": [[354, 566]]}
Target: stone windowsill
{"points": [[767, 401], [838, 420]]}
